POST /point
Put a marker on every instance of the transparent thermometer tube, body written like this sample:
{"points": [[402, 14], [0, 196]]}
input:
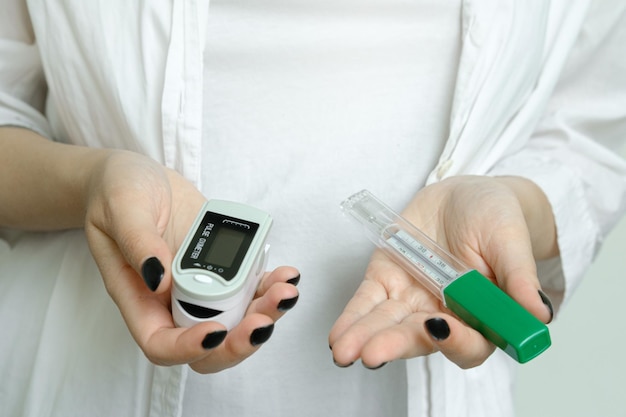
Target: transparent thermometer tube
{"points": [[466, 292], [434, 269]]}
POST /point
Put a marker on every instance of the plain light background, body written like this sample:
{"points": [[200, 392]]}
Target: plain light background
{"points": [[583, 374]]}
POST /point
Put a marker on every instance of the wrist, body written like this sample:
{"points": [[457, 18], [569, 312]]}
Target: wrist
{"points": [[43, 184]]}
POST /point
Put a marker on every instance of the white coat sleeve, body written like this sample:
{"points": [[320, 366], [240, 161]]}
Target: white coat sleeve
{"points": [[22, 83], [573, 155]]}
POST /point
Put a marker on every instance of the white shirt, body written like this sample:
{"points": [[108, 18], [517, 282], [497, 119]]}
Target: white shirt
{"points": [[304, 104], [523, 104]]}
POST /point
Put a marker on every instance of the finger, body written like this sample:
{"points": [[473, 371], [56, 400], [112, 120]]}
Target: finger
{"points": [[276, 301], [366, 298], [354, 340], [142, 245], [384, 279], [242, 341], [286, 274], [404, 340], [458, 342], [516, 271], [173, 346], [276, 293], [135, 239], [132, 206]]}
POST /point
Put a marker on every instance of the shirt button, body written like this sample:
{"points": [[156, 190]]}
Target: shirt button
{"points": [[443, 169]]}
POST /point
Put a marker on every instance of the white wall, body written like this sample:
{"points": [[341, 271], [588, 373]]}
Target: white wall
{"points": [[583, 374]]}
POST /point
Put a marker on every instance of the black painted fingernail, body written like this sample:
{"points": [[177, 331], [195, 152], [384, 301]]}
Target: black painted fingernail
{"points": [[152, 272], [438, 328], [261, 335], [294, 281], [546, 300], [213, 340], [288, 304], [375, 367], [342, 366]]}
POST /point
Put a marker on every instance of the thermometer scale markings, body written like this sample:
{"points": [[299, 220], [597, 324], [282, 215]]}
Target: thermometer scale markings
{"points": [[423, 258]]}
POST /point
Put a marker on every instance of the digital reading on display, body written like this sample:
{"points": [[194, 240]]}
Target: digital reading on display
{"points": [[225, 247], [219, 244]]}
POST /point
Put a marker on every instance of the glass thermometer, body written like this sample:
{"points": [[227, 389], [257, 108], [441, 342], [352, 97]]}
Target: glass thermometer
{"points": [[466, 292]]}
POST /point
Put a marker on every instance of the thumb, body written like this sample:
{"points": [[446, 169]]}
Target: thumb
{"points": [[154, 273], [146, 251], [516, 272], [130, 238]]}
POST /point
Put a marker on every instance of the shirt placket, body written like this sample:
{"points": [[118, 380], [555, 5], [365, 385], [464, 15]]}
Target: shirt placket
{"points": [[181, 109], [499, 58], [182, 92]]}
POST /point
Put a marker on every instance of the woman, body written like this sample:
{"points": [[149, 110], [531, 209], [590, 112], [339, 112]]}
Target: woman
{"points": [[291, 107]]}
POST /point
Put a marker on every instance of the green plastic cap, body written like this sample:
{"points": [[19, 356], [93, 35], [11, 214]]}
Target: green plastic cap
{"points": [[488, 309]]}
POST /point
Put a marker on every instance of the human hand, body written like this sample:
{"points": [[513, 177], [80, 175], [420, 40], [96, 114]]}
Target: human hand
{"points": [[498, 226], [137, 215]]}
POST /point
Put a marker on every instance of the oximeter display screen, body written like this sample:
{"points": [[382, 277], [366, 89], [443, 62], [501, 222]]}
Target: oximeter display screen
{"points": [[219, 244], [225, 247]]}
